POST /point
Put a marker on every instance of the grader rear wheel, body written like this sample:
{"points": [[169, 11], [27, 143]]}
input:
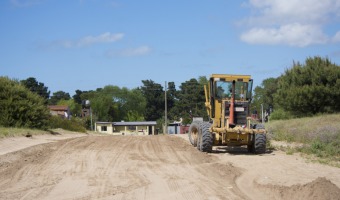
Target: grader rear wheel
{"points": [[193, 133]]}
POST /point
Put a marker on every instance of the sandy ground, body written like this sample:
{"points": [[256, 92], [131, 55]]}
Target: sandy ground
{"points": [[153, 167]]}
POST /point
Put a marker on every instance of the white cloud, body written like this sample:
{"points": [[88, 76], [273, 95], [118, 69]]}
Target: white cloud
{"points": [[103, 38], [291, 22], [290, 11], [290, 34], [130, 52], [88, 40]]}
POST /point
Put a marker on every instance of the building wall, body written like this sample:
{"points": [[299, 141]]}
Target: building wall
{"points": [[178, 129], [101, 128], [136, 130], [184, 129], [173, 129], [123, 130]]}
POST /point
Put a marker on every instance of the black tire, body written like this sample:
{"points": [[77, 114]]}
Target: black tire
{"points": [[205, 138], [199, 138], [260, 143], [193, 133], [259, 126], [250, 148], [199, 146]]}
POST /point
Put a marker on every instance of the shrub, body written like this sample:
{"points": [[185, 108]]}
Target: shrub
{"points": [[20, 107], [280, 114], [71, 125], [324, 150], [310, 88]]}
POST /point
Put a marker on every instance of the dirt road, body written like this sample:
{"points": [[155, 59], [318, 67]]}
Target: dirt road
{"points": [[158, 167]]}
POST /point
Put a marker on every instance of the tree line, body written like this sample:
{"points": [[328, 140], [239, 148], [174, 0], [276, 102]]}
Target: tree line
{"points": [[110, 103], [305, 89]]}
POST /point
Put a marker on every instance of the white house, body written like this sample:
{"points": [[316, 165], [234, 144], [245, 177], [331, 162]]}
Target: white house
{"points": [[127, 128]]}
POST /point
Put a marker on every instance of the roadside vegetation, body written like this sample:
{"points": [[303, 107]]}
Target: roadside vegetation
{"points": [[27, 132], [316, 137], [75, 124], [21, 107], [24, 104], [24, 112], [303, 106], [305, 89]]}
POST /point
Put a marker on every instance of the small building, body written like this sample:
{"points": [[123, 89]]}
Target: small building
{"points": [[127, 128], [176, 128], [61, 111]]}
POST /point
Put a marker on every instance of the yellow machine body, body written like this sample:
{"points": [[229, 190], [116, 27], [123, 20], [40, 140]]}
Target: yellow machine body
{"points": [[228, 105]]}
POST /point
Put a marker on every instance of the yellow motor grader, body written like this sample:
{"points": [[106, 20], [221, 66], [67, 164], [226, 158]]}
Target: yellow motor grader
{"points": [[227, 100]]}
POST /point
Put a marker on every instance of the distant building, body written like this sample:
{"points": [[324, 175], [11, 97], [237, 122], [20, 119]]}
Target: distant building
{"points": [[61, 111], [127, 128], [177, 128], [85, 112]]}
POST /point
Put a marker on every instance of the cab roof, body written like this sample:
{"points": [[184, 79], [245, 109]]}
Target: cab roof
{"points": [[231, 77]]}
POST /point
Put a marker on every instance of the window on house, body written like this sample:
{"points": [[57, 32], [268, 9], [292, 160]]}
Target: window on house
{"points": [[104, 128], [132, 128]]}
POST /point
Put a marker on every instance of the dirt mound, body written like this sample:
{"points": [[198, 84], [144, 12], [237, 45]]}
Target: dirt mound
{"points": [[320, 188]]}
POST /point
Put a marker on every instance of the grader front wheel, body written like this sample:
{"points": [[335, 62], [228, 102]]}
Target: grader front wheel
{"points": [[205, 138], [260, 143]]}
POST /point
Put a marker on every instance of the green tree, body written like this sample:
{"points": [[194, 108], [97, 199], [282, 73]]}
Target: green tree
{"points": [[59, 95], [20, 107], [202, 80], [191, 101], [77, 96], [135, 106], [101, 105], [310, 88], [37, 87], [172, 99], [154, 95], [128, 105], [113, 103], [264, 94]]}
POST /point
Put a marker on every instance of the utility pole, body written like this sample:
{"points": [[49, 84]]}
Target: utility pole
{"points": [[91, 119], [262, 113], [166, 111]]}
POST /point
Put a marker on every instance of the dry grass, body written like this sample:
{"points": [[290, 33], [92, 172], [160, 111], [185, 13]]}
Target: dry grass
{"points": [[323, 127], [320, 136], [12, 132]]}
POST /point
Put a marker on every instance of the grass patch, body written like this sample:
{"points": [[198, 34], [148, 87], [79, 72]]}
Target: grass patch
{"points": [[290, 151], [75, 125], [12, 132], [320, 136]]}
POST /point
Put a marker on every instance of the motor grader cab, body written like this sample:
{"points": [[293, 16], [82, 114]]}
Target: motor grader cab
{"points": [[227, 100]]}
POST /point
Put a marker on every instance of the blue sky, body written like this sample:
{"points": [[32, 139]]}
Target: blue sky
{"points": [[87, 44]]}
